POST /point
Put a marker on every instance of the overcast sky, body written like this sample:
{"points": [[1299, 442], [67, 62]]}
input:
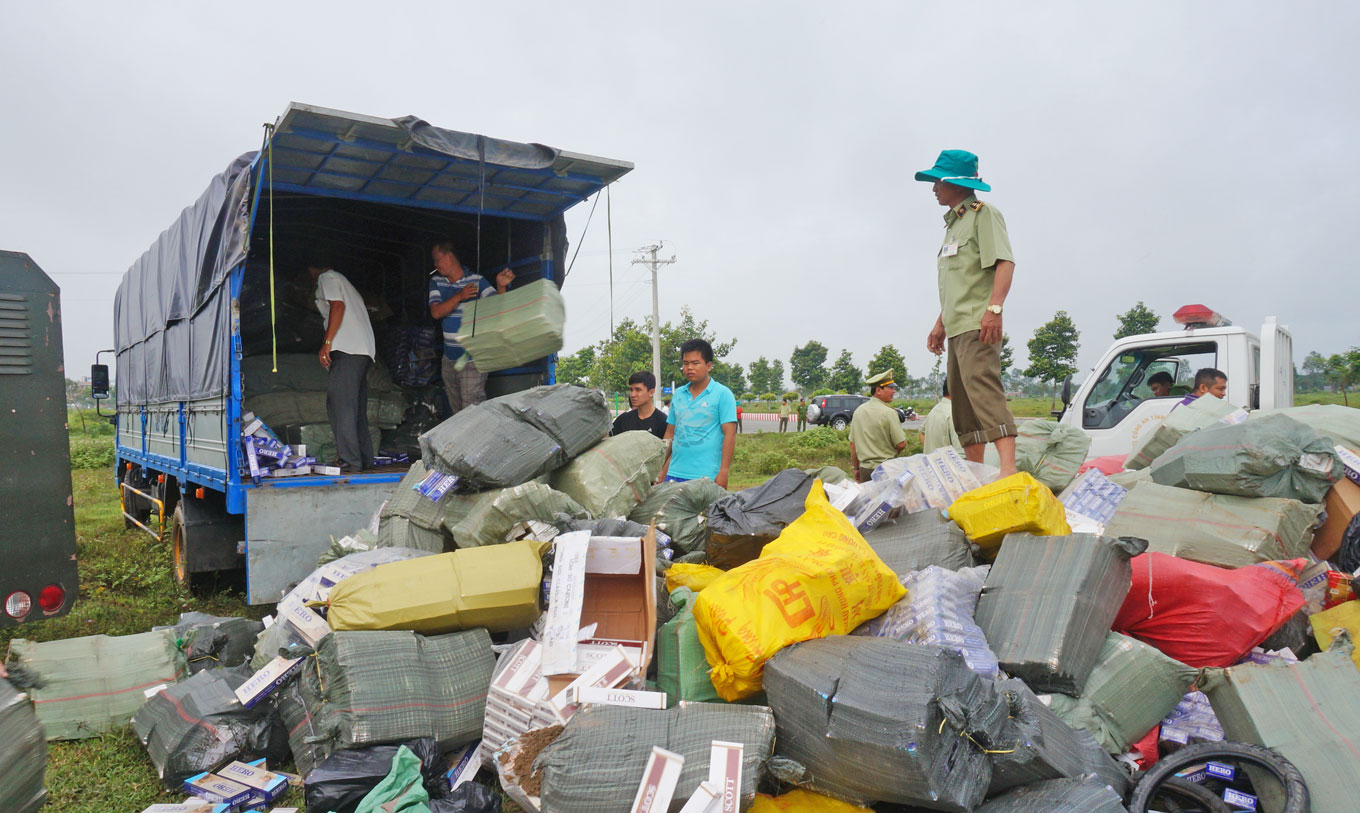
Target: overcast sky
{"points": [[1168, 152]]}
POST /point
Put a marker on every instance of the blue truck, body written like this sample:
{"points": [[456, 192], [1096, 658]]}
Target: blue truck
{"points": [[204, 315]]}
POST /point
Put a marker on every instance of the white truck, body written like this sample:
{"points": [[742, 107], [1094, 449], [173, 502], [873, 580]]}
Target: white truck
{"points": [[1115, 406]]}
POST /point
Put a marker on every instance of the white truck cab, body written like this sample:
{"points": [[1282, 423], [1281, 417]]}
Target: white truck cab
{"points": [[1115, 405]]}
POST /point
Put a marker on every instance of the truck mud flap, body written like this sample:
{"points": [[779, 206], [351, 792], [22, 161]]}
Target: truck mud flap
{"points": [[288, 528]]}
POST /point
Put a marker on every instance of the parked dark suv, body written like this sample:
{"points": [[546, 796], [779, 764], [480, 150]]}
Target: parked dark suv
{"points": [[836, 410]]}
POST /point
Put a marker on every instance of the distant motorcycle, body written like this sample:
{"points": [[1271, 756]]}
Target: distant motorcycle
{"points": [[907, 414]]}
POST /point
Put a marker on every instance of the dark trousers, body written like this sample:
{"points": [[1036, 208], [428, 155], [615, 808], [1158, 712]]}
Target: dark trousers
{"points": [[347, 408]]}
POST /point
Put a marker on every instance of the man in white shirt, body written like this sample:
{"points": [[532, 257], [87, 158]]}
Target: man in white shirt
{"points": [[347, 353]]}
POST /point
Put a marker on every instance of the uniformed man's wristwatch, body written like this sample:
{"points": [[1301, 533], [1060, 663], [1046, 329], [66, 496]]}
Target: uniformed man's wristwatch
{"points": [[996, 309]]}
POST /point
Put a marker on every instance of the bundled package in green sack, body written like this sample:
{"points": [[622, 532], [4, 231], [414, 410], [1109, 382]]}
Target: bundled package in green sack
{"points": [[94, 684]]}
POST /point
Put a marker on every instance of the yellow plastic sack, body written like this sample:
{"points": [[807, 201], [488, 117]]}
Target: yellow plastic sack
{"points": [[803, 801], [1010, 505], [1343, 616], [496, 587], [817, 578], [695, 577]]}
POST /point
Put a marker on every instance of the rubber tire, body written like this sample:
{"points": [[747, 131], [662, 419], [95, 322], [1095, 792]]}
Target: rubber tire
{"points": [[840, 423], [1296, 792], [1200, 797], [179, 562]]}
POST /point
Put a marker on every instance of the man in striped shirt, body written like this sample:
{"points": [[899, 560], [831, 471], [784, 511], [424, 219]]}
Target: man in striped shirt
{"points": [[451, 286]]}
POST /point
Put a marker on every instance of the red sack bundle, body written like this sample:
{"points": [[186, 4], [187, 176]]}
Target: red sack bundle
{"points": [[1203, 615], [1109, 464]]}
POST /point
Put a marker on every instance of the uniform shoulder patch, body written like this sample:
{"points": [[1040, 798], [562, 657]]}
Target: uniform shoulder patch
{"points": [[976, 205]]}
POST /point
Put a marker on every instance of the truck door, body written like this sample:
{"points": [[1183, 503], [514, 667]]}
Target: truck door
{"points": [[1277, 366], [1121, 404]]}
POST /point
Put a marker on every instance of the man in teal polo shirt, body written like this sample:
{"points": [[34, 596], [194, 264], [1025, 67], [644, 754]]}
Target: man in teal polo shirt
{"points": [[701, 430], [975, 266]]}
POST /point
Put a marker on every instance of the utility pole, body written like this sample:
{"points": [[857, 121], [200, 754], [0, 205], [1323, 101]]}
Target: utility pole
{"points": [[653, 263]]}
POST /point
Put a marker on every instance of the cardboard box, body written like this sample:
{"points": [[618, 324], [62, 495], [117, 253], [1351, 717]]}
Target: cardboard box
{"points": [[621, 605], [494, 587], [1342, 503]]}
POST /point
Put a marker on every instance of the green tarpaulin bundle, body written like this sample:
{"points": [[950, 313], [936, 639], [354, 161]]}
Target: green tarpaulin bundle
{"points": [[1274, 456], [285, 409], [1183, 420], [1130, 690], [95, 684], [319, 439], [409, 519], [199, 725], [610, 478], [597, 762], [680, 510], [1088, 794], [376, 687], [1049, 450], [296, 394], [1215, 529], [917, 541], [514, 328], [847, 707], [682, 667], [1049, 602], [1339, 424], [1306, 711], [1037, 745], [487, 517], [514, 438], [23, 755]]}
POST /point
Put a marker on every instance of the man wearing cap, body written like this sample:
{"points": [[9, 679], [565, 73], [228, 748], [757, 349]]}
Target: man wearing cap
{"points": [[876, 432], [975, 266]]}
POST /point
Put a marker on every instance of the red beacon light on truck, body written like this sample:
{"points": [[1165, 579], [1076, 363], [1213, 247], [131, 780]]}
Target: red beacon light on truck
{"points": [[1193, 316]]}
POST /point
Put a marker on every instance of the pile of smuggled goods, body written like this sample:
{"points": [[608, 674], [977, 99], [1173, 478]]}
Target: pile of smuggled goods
{"points": [[529, 623]]}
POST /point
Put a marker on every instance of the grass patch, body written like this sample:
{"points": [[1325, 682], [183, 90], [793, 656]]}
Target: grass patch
{"points": [[760, 455]]}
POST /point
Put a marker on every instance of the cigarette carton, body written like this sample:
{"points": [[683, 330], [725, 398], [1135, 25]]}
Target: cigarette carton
{"points": [[302, 620], [620, 697], [1350, 461], [265, 681], [466, 762], [704, 799], [251, 428], [724, 773], [216, 789], [606, 674], [1240, 800], [1218, 770], [326, 471], [658, 782]]}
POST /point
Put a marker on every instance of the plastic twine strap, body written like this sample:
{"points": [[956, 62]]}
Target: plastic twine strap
{"points": [[978, 744]]}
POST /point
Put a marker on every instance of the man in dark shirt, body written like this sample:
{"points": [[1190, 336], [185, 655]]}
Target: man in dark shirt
{"points": [[644, 415]]}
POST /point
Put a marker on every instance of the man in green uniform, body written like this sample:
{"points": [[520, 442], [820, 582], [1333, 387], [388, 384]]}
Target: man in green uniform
{"points": [[937, 430], [802, 414], [975, 267], [876, 432]]}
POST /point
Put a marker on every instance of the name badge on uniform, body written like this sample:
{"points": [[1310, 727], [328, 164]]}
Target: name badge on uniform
{"points": [[949, 249]]}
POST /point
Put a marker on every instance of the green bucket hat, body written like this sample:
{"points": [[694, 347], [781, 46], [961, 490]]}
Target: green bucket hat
{"points": [[958, 167]]}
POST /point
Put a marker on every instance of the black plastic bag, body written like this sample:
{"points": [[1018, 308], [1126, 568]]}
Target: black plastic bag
{"points": [[740, 524], [198, 725], [342, 780], [210, 641], [469, 797]]}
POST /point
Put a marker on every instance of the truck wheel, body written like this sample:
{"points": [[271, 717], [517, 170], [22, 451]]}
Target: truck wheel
{"points": [[178, 549], [839, 423]]}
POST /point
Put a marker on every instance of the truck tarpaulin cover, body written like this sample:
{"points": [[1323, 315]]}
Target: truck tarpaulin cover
{"points": [[170, 315]]}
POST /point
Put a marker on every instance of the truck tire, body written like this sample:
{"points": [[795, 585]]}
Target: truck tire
{"points": [[179, 554], [840, 423], [1296, 792]]}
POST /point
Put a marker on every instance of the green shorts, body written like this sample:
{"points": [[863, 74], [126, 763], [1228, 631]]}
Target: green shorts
{"points": [[975, 392]]}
